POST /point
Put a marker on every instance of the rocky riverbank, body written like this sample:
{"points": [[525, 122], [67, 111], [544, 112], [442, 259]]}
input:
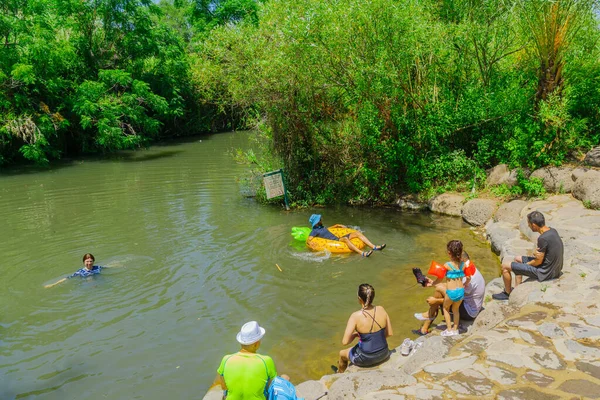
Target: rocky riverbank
{"points": [[543, 343]]}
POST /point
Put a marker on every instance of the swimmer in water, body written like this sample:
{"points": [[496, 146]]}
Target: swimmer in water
{"points": [[89, 269]]}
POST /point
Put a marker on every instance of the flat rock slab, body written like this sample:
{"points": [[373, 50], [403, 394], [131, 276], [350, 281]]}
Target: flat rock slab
{"points": [[593, 320], [311, 389], [591, 368], [551, 330], [502, 376], [358, 384], [510, 212], [581, 387], [449, 366], [583, 350], [470, 382], [538, 378], [525, 393], [585, 331]]}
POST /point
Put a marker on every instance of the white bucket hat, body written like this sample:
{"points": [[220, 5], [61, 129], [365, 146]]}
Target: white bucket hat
{"points": [[250, 333]]}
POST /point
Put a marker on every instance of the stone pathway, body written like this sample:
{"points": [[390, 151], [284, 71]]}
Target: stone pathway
{"points": [[544, 343]]}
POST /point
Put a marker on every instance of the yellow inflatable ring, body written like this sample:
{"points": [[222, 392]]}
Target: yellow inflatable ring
{"points": [[334, 246]]}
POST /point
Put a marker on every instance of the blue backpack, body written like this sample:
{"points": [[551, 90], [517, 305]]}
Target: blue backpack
{"points": [[281, 389]]}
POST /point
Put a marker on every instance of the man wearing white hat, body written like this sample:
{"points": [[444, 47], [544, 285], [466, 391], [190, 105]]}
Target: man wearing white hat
{"points": [[246, 374]]}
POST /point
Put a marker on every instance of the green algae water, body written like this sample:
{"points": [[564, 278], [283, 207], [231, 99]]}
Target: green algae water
{"points": [[192, 259]]}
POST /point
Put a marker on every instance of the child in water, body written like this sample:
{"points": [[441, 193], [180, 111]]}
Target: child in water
{"points": [[88, 269], [455, 291]]}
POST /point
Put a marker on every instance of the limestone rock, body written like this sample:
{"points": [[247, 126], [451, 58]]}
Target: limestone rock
{"points": [[538, 378], [470, 382], [498, 175], [551, 330], [581, 387], [556, 180], [591, 368], [577, 173], [434, 349], [358, 384], [446, 203], [510, 212], [214, 393], [525, 393], [311, 389], [587, 188], [410, 202], [449, 366], [478, 211], [502, 376], [499, 233], [593, 157]]}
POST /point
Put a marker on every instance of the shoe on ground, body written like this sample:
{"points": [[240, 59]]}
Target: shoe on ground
{"points": [[501, 296], [420, 317], [421, 279], [449, 332], [407, 346], [419, 332]]}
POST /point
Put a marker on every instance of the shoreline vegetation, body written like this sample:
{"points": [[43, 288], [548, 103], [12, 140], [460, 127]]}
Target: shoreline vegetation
{"points": [[356, 100]]}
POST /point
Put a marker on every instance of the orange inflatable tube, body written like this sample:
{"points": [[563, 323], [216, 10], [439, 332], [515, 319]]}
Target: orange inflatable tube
{"points": [[334, 246]]}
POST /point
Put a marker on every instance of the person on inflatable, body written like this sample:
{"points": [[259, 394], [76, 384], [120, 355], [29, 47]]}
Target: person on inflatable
{"points": [[318, 230]]}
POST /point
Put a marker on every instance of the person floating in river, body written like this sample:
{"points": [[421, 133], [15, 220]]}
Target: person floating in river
{"points": [[371, 325], [89, 269], [320, 231]]}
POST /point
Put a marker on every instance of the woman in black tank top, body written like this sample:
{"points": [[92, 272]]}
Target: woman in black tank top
{"points": [[371, 325]]}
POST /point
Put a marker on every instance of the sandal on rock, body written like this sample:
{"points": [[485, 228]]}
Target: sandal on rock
{"points": [[419, 332], [376, 248], [334, 368], [367, 253]]}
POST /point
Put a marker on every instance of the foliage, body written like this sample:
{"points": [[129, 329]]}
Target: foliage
{"points": [[530, 187], [362, 99], [102, 75]]}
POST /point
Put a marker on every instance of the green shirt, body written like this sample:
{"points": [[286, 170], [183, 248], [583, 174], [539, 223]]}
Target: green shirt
{"points": [[246, 375]]}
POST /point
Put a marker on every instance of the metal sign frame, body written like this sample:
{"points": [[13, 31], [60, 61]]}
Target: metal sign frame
{"points": [[275, 179]]}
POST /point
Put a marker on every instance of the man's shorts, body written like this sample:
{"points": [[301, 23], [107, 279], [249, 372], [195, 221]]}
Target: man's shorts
{"points": [[524, 268]]}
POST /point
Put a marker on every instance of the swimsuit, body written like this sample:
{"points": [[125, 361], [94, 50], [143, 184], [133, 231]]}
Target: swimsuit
{"points": [[372, 348], [84, 272], [459, 293], [322, 232]]}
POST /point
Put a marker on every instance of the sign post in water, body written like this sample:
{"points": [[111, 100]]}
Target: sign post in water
{"points": [[274, 186]]}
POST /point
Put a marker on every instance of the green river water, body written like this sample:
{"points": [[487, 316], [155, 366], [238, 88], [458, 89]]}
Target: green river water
{"points": [[193, 259]]}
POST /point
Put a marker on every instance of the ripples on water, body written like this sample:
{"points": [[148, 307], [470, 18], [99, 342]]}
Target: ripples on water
{"points": [[190, 260]]}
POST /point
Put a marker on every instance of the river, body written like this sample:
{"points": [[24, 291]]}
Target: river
{"points": [[190, 260]]}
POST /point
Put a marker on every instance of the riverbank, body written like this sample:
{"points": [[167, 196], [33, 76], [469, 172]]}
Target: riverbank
{"points": [[542, 343]]}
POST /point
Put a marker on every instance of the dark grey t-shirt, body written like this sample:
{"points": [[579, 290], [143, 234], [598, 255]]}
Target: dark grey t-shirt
{"points": [[551, 244]]}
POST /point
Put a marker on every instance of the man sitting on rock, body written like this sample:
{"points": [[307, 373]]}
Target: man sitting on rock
{"points": [[547, 260], [469, 308], [247, 374]]}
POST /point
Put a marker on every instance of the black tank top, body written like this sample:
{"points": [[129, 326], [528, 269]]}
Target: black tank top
{"points": [[372, 342]]}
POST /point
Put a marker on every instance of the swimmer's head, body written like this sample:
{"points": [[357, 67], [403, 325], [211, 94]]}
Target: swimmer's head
{"points": [[455, 250], [366, 293], [88, 260]]}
